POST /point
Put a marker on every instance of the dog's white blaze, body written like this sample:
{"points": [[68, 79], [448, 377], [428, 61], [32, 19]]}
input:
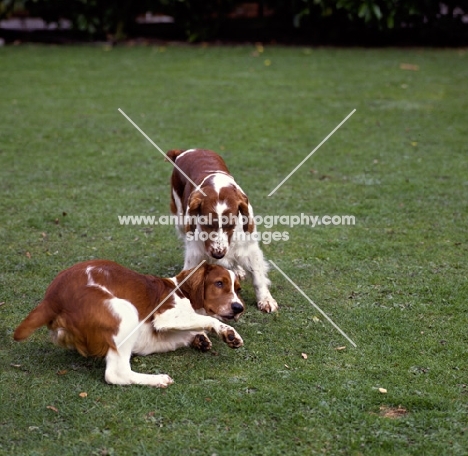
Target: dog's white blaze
{"points": [[220, 208], [221, 180], [222, 242], [233, 291]]}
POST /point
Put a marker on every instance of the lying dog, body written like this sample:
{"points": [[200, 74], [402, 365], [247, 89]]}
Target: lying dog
{"points": [[218, 219], [97, 307]]}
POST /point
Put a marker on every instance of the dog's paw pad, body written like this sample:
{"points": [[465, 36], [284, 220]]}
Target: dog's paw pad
{"points": [[233, 339], [202, 343]]}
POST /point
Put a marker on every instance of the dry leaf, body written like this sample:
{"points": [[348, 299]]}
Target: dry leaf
{"points": [[341, 348], [382, 390], [315, 319], [51, 407], [304, 355], [1, 303], [393, 412], [83, 394], [286, 366], [62, 372], [28, 255], [409, 66]]}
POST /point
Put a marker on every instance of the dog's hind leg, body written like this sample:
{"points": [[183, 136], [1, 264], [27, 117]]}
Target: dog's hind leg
{"points": [[118, 369]]}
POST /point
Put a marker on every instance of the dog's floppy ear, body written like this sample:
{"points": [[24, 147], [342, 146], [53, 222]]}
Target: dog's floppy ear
{"points": [[194, 287], [193, 210], [248, 223]]}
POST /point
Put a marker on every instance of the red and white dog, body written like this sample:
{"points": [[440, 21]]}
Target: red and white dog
{"points": [[97, 307], [225, 236]]}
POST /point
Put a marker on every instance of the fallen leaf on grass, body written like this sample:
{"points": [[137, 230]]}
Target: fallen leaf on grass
{"points": [[62, 372], [15, 365], [304, 355], [393, 412], [28, 255], [409, 66], [1, 303], [83, 394], [340, 348], [382, 390], [315, 319], [51, 407]]}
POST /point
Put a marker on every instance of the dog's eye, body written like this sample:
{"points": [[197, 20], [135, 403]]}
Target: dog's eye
{"points": [[219, 284], [238, 290]]}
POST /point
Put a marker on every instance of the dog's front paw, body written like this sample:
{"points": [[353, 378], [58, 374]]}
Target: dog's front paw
{"points": [[268, 305], [240, 272], [164, 381], [158, 381], [231, 337], [201, 342]]}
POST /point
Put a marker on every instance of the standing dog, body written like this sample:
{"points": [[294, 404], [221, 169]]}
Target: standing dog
{"points": [[103, 309], [218, 219]]}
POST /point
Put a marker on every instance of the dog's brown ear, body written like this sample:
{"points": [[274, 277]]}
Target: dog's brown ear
{"points": [[193, 210], [194, 287], [248, 222]]}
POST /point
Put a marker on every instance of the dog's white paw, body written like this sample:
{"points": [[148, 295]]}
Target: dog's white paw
{"points": [[231, 337], [267, 305], [160, 381], [240, 272]]}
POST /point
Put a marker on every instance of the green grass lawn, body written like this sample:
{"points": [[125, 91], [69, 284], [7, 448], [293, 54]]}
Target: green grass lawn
{"points": [[396, 282]]}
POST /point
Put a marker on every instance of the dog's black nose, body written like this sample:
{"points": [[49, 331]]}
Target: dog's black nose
{"points": [[217, 255], [237, 308]]}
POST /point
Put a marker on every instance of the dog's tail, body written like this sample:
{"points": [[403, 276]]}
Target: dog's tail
{"points": [[42, 315], [173, 154]]}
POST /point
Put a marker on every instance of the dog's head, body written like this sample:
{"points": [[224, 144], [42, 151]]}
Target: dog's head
{"points": [[213, 290], [214, 218]]}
